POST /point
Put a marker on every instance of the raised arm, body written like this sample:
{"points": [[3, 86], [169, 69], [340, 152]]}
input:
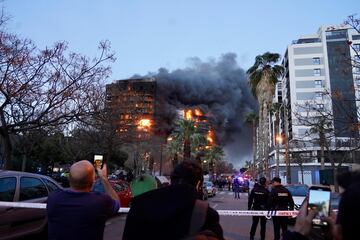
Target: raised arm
{"points": [[102, 173]]}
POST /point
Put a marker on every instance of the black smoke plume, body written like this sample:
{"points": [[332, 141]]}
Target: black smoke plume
{"points": [[220, 89]]}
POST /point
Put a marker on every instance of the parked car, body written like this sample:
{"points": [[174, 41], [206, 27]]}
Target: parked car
{"points": [[210, 188], [24, 187], [204, 193], [123, 190], [162, 181], [299, 193]]}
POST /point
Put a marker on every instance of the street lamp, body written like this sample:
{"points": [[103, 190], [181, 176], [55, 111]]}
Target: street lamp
{"points": [[279, 140]]}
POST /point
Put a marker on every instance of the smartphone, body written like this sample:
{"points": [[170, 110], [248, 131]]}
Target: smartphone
{"points": [[319, 199], [98, 159]]}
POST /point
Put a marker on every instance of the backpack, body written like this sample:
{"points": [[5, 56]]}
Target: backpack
{"points": [[197, 221]]}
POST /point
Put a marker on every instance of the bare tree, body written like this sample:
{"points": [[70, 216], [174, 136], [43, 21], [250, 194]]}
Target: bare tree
{"points": [[321, 131], [47, 87]]}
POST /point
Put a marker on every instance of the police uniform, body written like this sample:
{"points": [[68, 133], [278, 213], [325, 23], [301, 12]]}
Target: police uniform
{"points": [[280, 199], [258, 201]]}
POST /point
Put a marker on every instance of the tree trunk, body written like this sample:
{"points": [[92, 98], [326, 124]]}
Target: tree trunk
{"points": [[7, 148], [260, 142], [287, 161], [187, 149], [23, 164], [175, 160], [266, 141], [322, 143], [254, 141]]}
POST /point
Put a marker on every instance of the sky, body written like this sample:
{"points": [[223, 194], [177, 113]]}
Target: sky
{"points": [[149, 35]]}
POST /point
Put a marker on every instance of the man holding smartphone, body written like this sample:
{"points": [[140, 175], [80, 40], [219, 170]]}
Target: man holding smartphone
{"points": [[78, 213], [279, 199]]}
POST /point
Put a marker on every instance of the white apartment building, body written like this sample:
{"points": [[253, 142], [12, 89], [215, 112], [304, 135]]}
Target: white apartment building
{"points": [[318, 67]]}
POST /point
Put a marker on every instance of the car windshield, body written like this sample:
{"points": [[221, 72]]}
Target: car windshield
{"points": [[301, 190]]}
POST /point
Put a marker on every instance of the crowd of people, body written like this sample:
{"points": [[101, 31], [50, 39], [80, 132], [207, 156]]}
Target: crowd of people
{"points": [[81, 213]]}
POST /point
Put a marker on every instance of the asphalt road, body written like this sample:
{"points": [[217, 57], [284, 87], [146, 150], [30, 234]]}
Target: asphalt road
{"points": [[234, 227]]}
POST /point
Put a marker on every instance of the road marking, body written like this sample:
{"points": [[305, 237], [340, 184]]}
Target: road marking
{"points": [[215, 206]]}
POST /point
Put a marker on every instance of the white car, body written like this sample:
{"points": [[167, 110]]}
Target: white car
{"points": [[210, 188], [298, 192]]}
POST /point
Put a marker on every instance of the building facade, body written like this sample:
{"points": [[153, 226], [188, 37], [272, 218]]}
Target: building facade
{"points": [[131, 103], [319, 115]]}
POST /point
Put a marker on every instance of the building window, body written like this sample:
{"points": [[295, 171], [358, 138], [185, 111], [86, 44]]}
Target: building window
{"points": [[357, 70], [318, 83], [356, 47], [316, 61], [357, 81], [320, 106], [319, 95], [317, 72]]}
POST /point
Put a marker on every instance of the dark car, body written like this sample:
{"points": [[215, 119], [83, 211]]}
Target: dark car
{"points": [[24, 187]]}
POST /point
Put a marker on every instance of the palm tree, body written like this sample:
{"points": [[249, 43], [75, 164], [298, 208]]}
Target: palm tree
{"points": [[263, 76], [253, 118], [214, 155], [198, 143], [181, 138], [187, 128], [173, 148]]}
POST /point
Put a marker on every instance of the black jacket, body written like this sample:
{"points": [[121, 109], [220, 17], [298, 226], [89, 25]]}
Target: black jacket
{"points": [[280, 199], [165, 213], [258, 198]]}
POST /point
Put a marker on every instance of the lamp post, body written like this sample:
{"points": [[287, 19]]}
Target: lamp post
{"points": [[279, 140]]}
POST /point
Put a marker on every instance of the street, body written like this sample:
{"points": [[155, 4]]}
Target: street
{"points": [[235, 228]]}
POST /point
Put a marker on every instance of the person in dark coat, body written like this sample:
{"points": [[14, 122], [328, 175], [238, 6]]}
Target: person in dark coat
{"points": [[258, 201], [168, 212], [236, 187], [279, 199]]}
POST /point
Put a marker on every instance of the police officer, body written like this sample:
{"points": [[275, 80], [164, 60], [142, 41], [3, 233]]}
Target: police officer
{"points": [[258, 201], [279, 199]]}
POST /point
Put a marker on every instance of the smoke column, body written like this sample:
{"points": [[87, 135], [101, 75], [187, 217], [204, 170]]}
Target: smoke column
{"points": [[220, 88]]}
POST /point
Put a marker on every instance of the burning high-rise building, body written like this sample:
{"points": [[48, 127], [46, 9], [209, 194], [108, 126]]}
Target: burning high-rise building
{"points": [[201, 121], [132, 105]]}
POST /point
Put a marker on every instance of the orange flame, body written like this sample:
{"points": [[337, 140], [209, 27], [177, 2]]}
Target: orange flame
{"points": [[210, 137], [188, 114], [144, 124], [198, 113]]}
